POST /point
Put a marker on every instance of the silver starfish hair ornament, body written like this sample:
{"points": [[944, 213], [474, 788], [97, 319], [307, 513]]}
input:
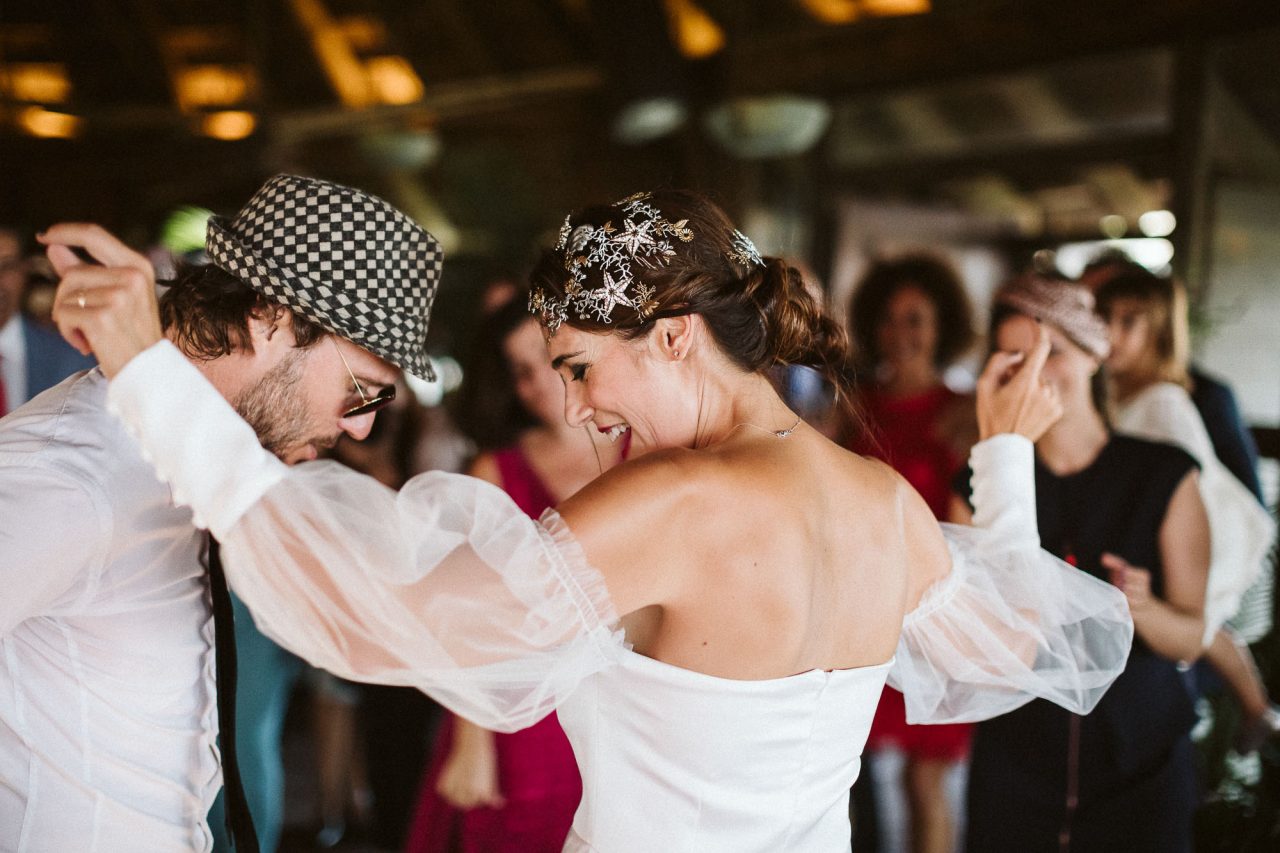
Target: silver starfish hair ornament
{"points": [[744, 252], [642, 239]]}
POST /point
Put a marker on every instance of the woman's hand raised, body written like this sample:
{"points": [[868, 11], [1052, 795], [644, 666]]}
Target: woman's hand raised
{"points": [[1013, 397]]}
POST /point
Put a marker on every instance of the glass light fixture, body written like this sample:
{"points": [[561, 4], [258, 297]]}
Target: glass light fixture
{"points": [[770, 126], [229, 125], [1157, 223], [649, 118], [49, 124], [1113, 225]]}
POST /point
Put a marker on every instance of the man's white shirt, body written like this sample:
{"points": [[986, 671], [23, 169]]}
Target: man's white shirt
{"points": [[107, 696]]}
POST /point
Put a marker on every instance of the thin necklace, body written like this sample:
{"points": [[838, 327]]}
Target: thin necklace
{"points": [[778, 433]]}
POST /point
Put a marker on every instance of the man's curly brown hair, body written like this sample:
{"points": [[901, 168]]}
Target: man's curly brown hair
{"points": [[208, 309]]}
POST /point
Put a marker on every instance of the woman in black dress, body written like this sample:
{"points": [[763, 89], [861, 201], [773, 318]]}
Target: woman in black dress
{"points": [[1122, 778]]}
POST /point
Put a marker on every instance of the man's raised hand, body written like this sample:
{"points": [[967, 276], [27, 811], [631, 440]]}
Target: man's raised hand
{"points": [[107, 307]]}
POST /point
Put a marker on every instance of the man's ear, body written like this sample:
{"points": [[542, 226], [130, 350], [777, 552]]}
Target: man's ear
{"points": [[674, 337], [270, 326]]}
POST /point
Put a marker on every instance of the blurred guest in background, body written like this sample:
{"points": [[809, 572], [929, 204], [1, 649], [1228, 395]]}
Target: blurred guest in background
{"points": [[341, 808], [1147, 318], [32, 357], [380, 732], [487, 407], [265, 677], [911, 320], [513, 793], [1233, 444], [1121, 778]]}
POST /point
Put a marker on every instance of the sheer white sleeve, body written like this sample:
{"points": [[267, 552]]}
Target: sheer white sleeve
{"points": [[446, 586], [1240, 530], [1010, 622]]}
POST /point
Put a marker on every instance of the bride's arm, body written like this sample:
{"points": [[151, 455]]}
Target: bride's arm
{"points": [[999, 621], [1014, 409], [445, 586]]}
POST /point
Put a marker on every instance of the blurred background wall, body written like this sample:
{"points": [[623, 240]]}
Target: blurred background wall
{"points": [[835, 130]]}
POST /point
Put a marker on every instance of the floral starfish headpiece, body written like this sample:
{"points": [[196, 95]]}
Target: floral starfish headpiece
{"points": [[643, 240]]}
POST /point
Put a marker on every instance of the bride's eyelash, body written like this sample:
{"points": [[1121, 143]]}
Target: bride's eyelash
{"points": [[577, 371]]}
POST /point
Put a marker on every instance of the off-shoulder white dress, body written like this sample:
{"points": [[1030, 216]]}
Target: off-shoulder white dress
{"points": [[448, 587]]}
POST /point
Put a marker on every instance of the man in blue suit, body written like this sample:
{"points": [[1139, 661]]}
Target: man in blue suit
{"points": [[32, 358]]}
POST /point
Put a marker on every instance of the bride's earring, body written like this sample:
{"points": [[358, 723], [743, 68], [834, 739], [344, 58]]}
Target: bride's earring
{"points": [[675, 354]]}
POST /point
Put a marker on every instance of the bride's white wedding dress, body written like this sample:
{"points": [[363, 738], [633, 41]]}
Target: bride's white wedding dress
{"points": [[448, 587], [678, 760]]}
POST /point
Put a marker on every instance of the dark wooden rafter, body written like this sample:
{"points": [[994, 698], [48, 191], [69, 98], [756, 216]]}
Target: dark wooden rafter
{"points": [[1192, 164], [948, 44], [1154, 149], [446, 102], [574, 33], [444, 39], [111, 59], [286, 61], [524, 36], [492, 71]]}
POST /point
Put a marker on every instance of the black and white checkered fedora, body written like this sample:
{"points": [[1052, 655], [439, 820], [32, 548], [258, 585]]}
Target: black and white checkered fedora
{"points": [[339, 257]]}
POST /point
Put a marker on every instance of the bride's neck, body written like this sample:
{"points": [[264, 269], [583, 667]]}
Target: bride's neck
{"points": [[732, 399]]}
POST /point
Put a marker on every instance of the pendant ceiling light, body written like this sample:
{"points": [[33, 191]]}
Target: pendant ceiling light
{"points": [[768, 126], [647, 86]]}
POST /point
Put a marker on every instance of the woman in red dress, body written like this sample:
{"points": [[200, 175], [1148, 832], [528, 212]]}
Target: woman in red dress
{"points": [[910, 320], [513, 793]]}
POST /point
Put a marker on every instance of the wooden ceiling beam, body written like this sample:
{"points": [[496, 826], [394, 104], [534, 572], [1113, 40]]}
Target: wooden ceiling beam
{"points": [[100, 37], [467, 45], [997, 37], [573, 31], [1152, 148], [441, 103]]}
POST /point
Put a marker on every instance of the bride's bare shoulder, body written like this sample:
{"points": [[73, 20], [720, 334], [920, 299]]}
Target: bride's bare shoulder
{"points": [[927, 558], [639, 486], [898, 512], [665, 486], [871, 474], [626, 517]]}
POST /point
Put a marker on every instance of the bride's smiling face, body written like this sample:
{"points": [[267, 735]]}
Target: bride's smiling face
{"points": [[615, 385]]}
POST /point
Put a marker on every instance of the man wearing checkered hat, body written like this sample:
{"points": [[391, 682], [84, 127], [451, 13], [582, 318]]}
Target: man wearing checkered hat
{"points": [[316, 296]]}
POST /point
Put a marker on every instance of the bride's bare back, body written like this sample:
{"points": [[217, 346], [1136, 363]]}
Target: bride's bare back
{"points": [[760, 557]]}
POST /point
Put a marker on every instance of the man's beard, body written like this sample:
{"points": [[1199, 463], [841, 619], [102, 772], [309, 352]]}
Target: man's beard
{"points": [[275, 407]]}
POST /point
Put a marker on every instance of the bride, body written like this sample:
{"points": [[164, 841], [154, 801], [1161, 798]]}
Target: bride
{"points": [[715, 620]]}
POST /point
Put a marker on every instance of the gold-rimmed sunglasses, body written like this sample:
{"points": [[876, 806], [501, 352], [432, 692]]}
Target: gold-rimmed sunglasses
{"points": [[368, 405]]}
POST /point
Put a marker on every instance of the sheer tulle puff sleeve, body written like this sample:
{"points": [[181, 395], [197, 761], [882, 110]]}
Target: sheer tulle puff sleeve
{"points": [[447, 587], [1007, 625]]}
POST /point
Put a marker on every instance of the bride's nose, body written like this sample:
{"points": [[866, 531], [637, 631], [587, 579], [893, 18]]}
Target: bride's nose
{"points": [[576, 410]]}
